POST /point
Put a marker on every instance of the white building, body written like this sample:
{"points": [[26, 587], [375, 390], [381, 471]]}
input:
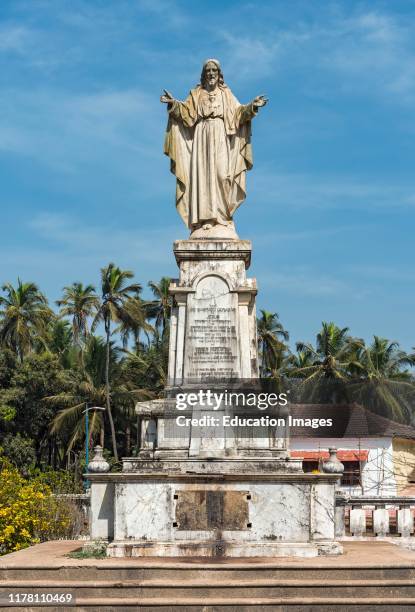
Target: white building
{"points": [[378, 454]]}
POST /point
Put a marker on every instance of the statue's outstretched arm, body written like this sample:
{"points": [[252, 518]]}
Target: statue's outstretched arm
{"points": [[259, 101], [185, 112], [248, 111], [167, 98], [173, 105]]}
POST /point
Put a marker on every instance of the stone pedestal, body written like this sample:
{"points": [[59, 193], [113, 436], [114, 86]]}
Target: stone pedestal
{"points": [[213, 491], [233, 514], [213, 325]]}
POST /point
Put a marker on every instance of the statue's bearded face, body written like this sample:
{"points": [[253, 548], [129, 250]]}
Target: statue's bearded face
{"points": [[211, 74]]}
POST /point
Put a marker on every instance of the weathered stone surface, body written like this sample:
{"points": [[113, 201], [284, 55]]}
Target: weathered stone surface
{"points": [[198, 510], [102, 511], [405, 522], [211, 348], [173, 463], [202, 509], [381, 522], [357, 522], [213, 329]]}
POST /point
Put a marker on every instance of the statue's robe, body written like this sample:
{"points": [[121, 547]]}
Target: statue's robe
{"points": [[208, 140]]}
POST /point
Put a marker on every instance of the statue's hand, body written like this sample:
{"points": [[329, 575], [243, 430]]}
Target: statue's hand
{"points": [[167, 98], [259, 101]]}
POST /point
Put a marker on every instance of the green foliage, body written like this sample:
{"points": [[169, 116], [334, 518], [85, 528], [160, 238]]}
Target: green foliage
{"points": [[376, 376], [60, 342], [160, 308], [271, 348], [96, 550], [88, 389], [8, 363], [120, 304], [333, 355], [28, 512], [7, 413], [58, 481], [39, 376], [19, 451], [78, 303], [24, 317]]}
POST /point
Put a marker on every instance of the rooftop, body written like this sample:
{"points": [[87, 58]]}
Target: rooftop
{"points": [[349, 421]]}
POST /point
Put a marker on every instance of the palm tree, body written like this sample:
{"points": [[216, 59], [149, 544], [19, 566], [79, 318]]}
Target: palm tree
{"points": [[325, 368], [385, 359], [89, 388], [160, 308], [69, 423], [332, 357], [24, 317], [146, 368], [299, 362], [132, 326], [78, 302], [270, 347], [384, 384], [60, 342], [119, 304]]}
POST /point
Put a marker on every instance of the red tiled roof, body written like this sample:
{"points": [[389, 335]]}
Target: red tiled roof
{"points": [[342, 455]]}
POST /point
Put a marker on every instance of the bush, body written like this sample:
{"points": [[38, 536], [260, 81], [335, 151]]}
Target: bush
{"points": [[29, 513], [7, 413], [19, 451], [67, 521], [59, 481]]}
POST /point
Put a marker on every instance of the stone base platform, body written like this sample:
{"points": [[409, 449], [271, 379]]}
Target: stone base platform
{"points": [[214, 549], [362, 556], [199, 514]]}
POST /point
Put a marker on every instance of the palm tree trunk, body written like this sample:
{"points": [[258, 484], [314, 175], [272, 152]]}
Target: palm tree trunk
{"points": [[128, 440], [107, 389], [262, 368]]}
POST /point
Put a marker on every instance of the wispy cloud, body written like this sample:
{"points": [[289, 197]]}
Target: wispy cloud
{"points": [[364, 51], [100, 242], [246, 55], [71, 133], [15, 39], [377, 54], [305, 236], [168, 11], [307, 282], [317, 192], [391, 274]]}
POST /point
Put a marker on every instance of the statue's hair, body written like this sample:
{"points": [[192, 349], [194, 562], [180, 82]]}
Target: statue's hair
{"points": [[203, 75]]}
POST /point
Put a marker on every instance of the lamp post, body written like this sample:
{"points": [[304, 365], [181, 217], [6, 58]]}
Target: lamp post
{"points": [[86, 411]]}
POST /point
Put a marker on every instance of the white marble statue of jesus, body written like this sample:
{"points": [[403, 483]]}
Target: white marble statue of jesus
{"points": [[208, 141]]}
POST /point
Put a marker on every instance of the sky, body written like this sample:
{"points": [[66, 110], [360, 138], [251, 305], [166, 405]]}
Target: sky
{"points": [[331, 198]]}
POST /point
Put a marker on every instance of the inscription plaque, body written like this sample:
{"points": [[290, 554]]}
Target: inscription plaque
{"points": [[211, 331], [204, 510]]}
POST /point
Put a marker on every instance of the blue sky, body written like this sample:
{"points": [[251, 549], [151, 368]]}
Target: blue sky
{"points": [[331, 198]]}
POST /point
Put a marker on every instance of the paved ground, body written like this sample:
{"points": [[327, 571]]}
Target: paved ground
{"points": [[356, 554]]}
